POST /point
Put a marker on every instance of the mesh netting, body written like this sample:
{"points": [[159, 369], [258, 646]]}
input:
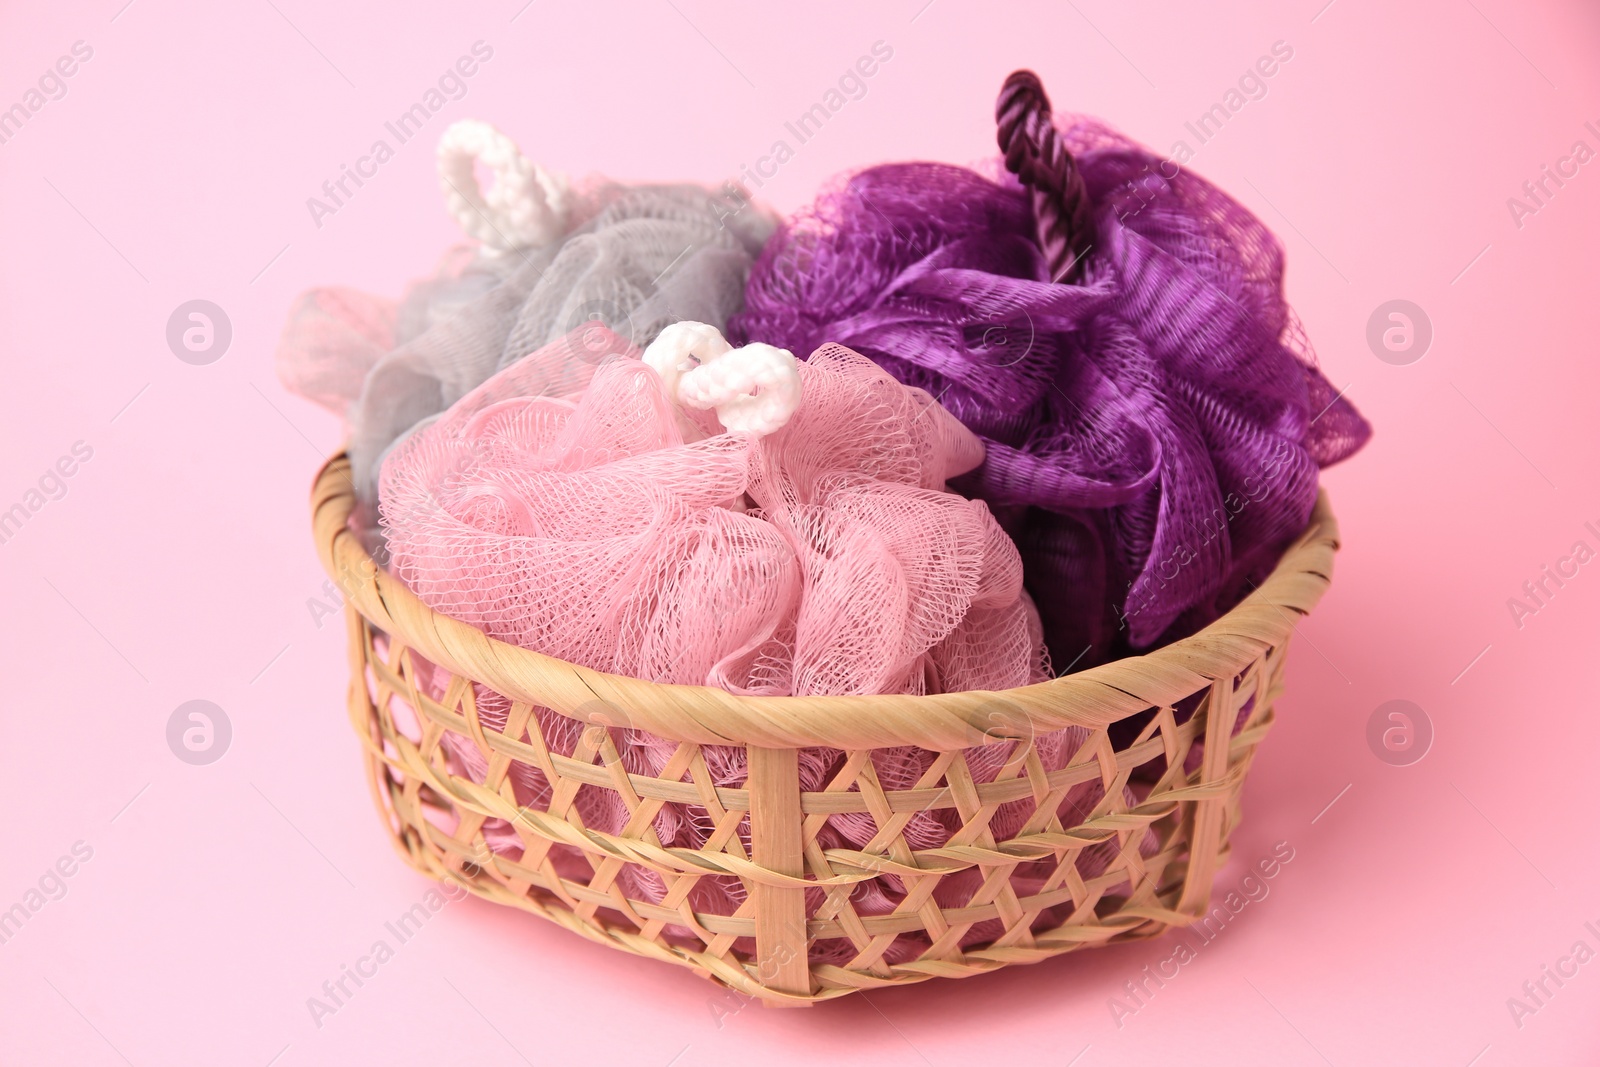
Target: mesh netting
{"points": [[331, 342], [558, 507], [1153, 429]]}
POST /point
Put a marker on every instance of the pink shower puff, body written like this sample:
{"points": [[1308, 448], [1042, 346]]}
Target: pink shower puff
{"points": [[825, 557]]}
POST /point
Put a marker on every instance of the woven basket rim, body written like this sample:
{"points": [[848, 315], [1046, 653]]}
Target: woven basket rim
{"points": [[1091, 698]]}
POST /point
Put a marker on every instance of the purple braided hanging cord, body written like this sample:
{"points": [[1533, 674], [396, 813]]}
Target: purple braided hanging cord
{"points": [[1035, 153], [1153, 417]]}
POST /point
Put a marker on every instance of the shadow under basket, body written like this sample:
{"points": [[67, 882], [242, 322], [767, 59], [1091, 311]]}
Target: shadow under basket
{"points": [[1160, 743]]}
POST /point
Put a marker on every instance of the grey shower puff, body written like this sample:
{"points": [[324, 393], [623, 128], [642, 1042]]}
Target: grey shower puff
{"points": [[649, 256], [638, 259]]}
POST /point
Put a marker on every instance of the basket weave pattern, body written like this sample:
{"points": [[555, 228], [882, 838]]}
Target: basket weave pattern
{"points": [[1186, 774]]}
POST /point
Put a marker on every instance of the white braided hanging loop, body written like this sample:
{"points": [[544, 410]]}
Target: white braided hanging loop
{"points": [[526, 206], [753, 389]]}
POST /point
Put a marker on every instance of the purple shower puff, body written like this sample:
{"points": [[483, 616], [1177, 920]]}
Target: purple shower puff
{"points": [[1154, 429]]}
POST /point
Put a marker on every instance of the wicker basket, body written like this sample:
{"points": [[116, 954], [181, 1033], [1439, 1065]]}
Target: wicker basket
{"points": [[1187, 773]]}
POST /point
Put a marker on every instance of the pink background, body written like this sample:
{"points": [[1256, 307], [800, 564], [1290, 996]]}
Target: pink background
{"points": [[179, 565]]}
